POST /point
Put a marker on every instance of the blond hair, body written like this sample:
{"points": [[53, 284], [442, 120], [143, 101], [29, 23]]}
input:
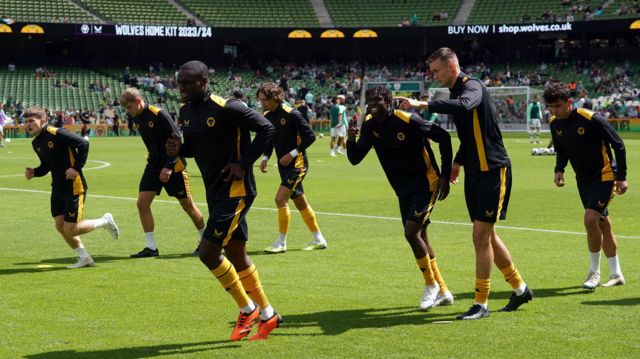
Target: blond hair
{"points": [[131, 94]]}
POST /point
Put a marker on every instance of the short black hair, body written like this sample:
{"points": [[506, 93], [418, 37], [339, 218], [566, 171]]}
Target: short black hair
{"points": [[381, 91], [198, 67], [556, 91], [443, 54]]}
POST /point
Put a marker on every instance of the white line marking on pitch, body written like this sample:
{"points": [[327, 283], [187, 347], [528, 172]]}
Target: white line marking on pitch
{"points": [[331, 214], [102, 165]]}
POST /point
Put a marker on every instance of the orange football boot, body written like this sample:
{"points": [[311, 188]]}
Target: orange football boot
{"points": [[244, 324], [265, 327]]}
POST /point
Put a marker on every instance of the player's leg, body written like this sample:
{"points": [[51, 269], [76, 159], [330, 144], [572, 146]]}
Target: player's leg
{"points": [[309, 218], [537, 129], [75, 226], [444, 296], [413, 210], [223, 221], [502, 258], [190, 208], [179, 187], [531, 129], [237, 253], [610, 249], [74, 242], [284, 219], [145, 198], [594, 243], [332, 143]]}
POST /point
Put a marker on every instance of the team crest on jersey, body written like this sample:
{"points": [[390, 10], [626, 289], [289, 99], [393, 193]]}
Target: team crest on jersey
{"points": [[151, 124], [489, 213], [217, 234], [50, 144], [283, 121], [211, 121], [400, 136], [581, 131]]}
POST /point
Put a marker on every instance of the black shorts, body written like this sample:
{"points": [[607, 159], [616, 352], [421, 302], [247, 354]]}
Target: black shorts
{"points": [[596, 196], [69, 206], [177, 186], [292, 179], [227, 220], [417, 207], [487, 194]]}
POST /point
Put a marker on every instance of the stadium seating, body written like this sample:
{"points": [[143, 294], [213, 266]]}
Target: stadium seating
{"points": [[354, 13], [250, 13], [511, 11], [43, 11], [152, 12]]}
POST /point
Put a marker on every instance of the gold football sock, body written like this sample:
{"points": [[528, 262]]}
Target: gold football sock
{"points": [[512, 276], [251, 283], [438, 277], [309, 218], [423, 264], [284, 218], [228, 277], [483, 286]]}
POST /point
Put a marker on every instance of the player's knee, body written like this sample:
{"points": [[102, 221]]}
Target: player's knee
{"points": [[70, 229], [591, 219], [281, 202], [60, 228], [143, 205]]}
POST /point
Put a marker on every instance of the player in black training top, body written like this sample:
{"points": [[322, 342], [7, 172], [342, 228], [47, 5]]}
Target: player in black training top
{"points": [[64, 154], [292, 137], [400, 140], [487, 185], [162, 171], [586, 139], [217, 135]]}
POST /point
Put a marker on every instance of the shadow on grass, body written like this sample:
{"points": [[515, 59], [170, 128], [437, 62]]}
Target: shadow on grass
{"points": [[57, 264], [621, 302], [537, 293], [335, 322], [138, 352]]}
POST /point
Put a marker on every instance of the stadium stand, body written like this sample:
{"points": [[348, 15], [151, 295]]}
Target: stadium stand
{"points": [[44, 11], [151, 12], [353, 13], [514, 11], [249, 13]]}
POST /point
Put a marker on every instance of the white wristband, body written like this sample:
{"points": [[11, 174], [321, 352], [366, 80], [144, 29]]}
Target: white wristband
{"points": [[294, 153], [265, 158]]}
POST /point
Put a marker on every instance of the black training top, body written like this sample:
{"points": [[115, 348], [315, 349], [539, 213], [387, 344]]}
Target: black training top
{"points": [[481, 147], [59, 150], [586, 139], [156, 126], [401, 145], [292, 132], [216, 133]]}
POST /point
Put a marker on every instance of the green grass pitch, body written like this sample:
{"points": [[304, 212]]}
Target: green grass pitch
{"points": [[358, 298]]}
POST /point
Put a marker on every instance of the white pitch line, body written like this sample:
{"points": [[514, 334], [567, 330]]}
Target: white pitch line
{"points": [[332, 214], [103, 165]]}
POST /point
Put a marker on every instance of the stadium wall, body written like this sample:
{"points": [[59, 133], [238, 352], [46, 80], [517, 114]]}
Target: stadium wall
{"points": [[107, 45]]}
